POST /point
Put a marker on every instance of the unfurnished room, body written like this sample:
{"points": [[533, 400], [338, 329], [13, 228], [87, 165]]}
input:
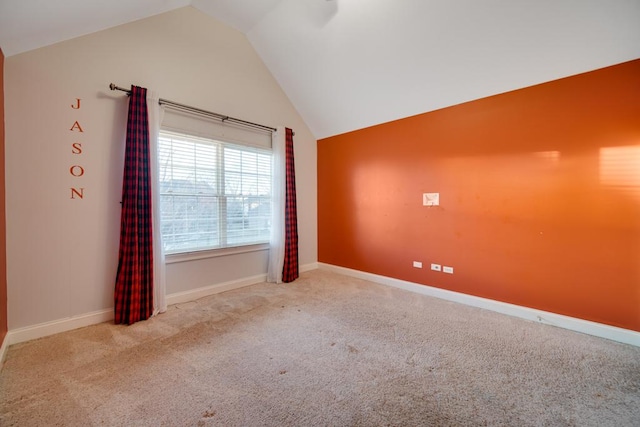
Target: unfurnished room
{"points": [[320, 212]]}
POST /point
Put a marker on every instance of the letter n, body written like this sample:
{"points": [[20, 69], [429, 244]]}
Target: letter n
{"points": [[77, 192]]}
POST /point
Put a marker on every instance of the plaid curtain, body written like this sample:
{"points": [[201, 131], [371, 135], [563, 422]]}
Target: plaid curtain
{"points": [[290, 269], [134, 281]]}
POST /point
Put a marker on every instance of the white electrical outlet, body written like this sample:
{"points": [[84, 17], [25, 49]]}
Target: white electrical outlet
{"points": [[417, 264], [436, 267], [430, 199], [448, 270]]}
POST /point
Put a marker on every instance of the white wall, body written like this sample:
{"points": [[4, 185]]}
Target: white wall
{"points": [[387, 60], [62, 253]]}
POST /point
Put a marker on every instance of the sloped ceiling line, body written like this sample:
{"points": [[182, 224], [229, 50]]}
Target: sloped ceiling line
{"points": [[350, 64]]}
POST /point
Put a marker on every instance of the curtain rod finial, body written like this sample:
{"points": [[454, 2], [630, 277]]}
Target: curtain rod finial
{"points": [[112, 86]]}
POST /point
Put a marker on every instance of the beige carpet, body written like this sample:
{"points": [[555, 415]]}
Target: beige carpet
{"points": [[326, 350]]}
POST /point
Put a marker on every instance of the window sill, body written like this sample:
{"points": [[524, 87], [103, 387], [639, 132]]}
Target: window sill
{"points": [[214, 253]]}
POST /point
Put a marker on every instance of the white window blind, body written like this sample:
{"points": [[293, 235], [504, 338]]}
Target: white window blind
{"points": [[193, 124], [213, 194]]}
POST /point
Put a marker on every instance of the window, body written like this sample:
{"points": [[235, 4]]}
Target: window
{"points": [[213, 194]]}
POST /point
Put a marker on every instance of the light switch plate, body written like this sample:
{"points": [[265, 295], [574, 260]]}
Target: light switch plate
{"points": [[431, 199]]}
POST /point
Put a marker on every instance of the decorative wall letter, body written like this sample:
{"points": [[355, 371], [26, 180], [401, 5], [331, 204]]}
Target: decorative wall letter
{"points": [[77, 192], [76, 125], [76, 171]]}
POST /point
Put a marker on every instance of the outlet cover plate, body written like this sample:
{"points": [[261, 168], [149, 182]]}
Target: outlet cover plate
{"points": [[448, 270], [430, 199]]}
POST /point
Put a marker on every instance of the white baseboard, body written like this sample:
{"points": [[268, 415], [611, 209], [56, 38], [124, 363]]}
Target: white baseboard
{"points": [[613, 333], [308, 267], [32, 332], [28, 333], [194, 294], [40, 330], [3, 350]]}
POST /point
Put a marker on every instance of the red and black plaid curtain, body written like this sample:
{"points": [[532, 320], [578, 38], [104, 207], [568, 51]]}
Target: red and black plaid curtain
{"points": [[134, 281], [290, 269]]}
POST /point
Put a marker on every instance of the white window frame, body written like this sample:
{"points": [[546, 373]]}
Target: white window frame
{"points": [[224, 247]]}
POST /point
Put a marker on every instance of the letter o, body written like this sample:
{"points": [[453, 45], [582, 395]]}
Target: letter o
{"points": [[76, 170]]}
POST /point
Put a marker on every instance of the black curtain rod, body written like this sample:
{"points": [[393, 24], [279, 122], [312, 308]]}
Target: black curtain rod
{"points": [[183, 107]]}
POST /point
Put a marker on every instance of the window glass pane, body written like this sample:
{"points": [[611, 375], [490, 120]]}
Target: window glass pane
{"points": [[264, 185], [232, 160], [233, 183], [249, 184], [205, 168], [264, 165], [212, 194]]}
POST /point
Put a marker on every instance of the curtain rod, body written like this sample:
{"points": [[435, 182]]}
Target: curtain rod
{"points": [[183, 107]]}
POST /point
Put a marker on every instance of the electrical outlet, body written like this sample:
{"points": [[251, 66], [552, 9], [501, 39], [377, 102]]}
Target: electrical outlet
{"points": [[430, 199], [436, 267], [417, 264], [448, 270]]}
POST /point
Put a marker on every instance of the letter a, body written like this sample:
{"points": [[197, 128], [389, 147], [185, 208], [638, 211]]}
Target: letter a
{"points": [[77, 106], [76, 125]]}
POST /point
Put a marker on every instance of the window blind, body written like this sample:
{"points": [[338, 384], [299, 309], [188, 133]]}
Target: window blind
{"points": [[213, 194], [193, 124]]}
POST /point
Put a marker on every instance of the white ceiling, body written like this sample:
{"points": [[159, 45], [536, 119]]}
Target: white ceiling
{"points": [[348, 64]]}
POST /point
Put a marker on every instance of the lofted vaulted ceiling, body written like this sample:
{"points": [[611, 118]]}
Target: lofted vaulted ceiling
{"points": [[348, 64]]}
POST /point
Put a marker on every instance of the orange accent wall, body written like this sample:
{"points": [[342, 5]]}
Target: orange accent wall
{"points": [[3, 233], [539, 197]]}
